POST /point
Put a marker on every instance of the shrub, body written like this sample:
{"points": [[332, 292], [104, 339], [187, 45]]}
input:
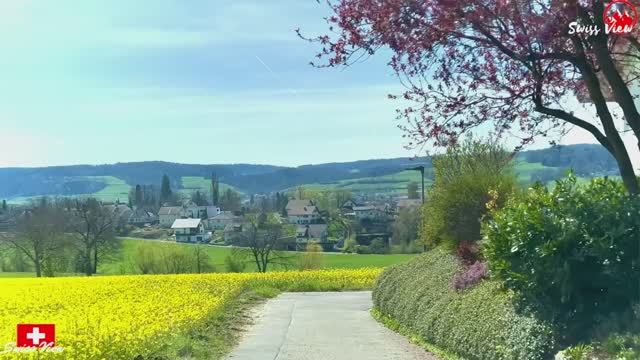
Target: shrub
{"points": [[235, 262], [363, 249], [163, 258], [471, 275], [457, 200], [476, 324], [571, 251], [405, 226], [413, 247], [616, 346], [350, 245], [378, 246], [312, 258], [468, 252]]}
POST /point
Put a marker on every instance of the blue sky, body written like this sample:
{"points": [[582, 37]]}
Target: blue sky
{"points": [[198, 81], [185, 81]]}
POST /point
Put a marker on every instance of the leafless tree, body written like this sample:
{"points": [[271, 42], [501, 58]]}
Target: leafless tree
{"points": [[93, 224], [201, 259], [39, 234], [265, 237]]}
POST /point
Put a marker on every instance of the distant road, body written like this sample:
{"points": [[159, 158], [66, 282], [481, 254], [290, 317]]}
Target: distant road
{"points": [[323, 326]]}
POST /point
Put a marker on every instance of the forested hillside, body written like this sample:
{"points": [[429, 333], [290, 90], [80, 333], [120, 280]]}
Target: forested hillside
{"points": [[543, 165]]}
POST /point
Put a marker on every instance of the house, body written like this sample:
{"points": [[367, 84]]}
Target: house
{"points": [[190, 231], [7, 221], [302, 212], [410, 204], [194, 211], [121, 212], [142, 217], [317, 233], [232, 232], [370, 212], [169, 214], [347, 207], [311, 232], [220, 221]]}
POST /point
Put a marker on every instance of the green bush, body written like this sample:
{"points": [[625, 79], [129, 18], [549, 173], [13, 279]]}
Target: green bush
{"points": [[478, 323], [311, 259], [379, 246], [235, 262], [350, 245], [615, 346], [571, 251], [457, 201], [166, 258]]}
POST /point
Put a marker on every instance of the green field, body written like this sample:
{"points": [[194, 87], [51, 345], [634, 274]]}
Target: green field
{"points": [[387, 184], [396, 184], [115, 189], [524, 170], [124, 261], [193, 183]]}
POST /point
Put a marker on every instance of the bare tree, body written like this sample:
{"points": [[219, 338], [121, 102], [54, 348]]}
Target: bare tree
{"points": [[201, 259], [265, 238], [94, 226], [38, 234]]}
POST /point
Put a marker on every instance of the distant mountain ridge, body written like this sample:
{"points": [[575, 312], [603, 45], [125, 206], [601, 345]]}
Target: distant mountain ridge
{"points": [[585, 159]]}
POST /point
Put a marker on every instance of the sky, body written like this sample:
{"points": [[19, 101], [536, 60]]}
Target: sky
{"points": [[199, 81]]}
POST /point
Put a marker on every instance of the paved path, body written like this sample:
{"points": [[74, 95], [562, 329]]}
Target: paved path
{"points": [[323, 326]]}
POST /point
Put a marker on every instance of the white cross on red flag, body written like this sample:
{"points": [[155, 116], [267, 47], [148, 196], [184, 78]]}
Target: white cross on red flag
{"points": [[36, 335]]}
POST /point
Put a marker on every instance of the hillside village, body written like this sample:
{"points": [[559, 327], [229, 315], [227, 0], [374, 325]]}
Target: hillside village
{"points": [[210, 224]]}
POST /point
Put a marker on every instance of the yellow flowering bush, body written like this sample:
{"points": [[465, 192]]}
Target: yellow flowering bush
{"points": [[120, 317]]}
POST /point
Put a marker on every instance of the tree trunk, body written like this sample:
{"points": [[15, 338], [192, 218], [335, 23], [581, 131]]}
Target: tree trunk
{"points": [[619, 88], [38, 266], [37, 259], [95, 260], [617, 148], [88, 269]]}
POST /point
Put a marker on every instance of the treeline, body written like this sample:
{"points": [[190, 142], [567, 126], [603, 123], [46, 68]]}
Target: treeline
{"points": [[584, 159], [60, 235], [153, 197]]}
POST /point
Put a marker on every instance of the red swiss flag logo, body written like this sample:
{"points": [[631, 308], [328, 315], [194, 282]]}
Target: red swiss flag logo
{"points": [[36, 335]]}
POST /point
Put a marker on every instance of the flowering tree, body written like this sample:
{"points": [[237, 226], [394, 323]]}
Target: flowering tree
{"points": [[509, 63]]}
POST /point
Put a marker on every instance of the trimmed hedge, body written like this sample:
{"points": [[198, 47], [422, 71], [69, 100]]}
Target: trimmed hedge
{"points": [[478, 323]]}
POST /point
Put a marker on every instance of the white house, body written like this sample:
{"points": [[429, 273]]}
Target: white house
{"points": [[169, 214], [368, 212], [194, 211], [190, 231], [302, 212]]}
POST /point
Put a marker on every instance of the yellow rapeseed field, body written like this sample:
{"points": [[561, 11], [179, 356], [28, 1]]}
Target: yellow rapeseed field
{"points": [[120, 317]]}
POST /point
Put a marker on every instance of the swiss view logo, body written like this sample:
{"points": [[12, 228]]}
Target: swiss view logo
{"points": [[620, 17], [36, 335]]}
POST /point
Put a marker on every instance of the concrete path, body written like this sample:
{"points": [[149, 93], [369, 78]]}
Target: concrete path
{"points": [[322, 326]]}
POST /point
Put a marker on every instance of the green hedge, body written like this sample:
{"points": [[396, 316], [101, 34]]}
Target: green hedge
{"points": [[478, 323]]}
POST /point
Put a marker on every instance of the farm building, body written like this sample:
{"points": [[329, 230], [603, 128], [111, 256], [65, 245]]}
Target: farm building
{"points": [[302, 212], [169, 214], [220, 222]]}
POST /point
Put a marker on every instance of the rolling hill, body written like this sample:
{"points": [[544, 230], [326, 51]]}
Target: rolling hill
{"points": [[111, 182]]}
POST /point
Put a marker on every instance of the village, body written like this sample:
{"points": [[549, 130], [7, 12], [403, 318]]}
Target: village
{"points": [[367, 220]]}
